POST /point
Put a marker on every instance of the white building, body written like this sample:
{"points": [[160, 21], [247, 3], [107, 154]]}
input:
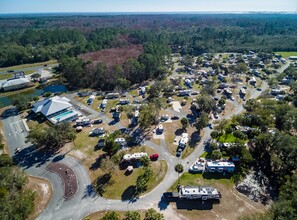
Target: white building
{"points": [[56, 109], [14, 84]]}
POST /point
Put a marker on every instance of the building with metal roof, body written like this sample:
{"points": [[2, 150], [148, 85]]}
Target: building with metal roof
{"points": [[14, 84], [56, 109]]}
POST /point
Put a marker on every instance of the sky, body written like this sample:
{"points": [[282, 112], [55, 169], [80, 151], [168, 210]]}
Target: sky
{"points": [[41, 6]]}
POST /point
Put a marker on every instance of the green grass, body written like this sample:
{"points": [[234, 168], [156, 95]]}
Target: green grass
{"points": [[10, 75], [206, 179], [229, 138], [17, 67], [83, 140], [287, 54], [206, 155], [122, 186], [134, 92]]}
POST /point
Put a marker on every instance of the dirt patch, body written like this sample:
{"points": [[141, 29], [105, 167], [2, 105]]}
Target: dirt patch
{"points": [[68, 176], [232, 205], [113, 56], [43, 190]]}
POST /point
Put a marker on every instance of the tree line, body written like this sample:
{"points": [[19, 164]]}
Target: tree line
{"points": [[189, 34]]}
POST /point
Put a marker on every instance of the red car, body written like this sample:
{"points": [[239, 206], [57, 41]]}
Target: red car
{"points": [[154, 157]]}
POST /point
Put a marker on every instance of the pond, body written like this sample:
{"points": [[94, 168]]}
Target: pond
{"points": [[6, 100]]}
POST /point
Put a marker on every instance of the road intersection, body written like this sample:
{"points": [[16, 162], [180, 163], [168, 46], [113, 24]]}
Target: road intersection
{"points": [[85, 201]]}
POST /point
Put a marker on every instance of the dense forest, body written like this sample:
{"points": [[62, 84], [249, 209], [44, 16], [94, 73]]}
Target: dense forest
{"points": [[38, 38]]}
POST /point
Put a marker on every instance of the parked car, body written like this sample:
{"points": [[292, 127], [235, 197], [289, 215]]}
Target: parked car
{"points": [[154, 157], [97, 121], [10, 71], [179, 152], [175, 117]]}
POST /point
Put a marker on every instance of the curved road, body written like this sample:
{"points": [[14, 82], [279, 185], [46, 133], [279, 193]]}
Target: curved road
{"points": [[85, 201]]}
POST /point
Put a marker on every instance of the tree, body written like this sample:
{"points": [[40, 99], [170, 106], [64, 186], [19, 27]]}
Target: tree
{"points": [[202, 121], [111, 216], [145, 161], [179, 169], [52, 137], [141, 184], [21, 102], [152, 214], [213, 146], [209, 88], [205, 103], [111, 147], [16, 201], [108, 165], [35, 75], [132, 215], [185, 123], [216, 155], [214, 134]]}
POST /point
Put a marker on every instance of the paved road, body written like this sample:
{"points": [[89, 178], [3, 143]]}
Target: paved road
{"points": [[44, 73], [85, 200], [35, 68]]}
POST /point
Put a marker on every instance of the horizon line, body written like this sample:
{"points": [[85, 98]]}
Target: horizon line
{"points": [[154, 12]]}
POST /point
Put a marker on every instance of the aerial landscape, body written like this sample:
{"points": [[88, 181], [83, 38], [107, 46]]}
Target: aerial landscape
{"points": [[148, 110]]}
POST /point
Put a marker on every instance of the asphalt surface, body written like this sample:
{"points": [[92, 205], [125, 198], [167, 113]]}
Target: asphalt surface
{"points": [[85, 201], [36, 68]]}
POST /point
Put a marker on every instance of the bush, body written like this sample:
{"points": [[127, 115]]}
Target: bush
{"points": [[216, 155]]}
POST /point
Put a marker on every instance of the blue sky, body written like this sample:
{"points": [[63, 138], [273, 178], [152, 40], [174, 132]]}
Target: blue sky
{"points": [[27, 6]]}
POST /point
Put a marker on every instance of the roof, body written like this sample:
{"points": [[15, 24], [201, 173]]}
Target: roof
{"points": [[134, 156], [51, 106], [184, 139], [14, 82], [220, 164], [198, 190]]}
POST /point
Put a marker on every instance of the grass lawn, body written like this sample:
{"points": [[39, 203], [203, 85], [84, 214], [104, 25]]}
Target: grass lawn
{"points": [[287, 54], [232, 204], [17, 67], [84, 141], [134, 92], [169, 133], [205, 155], [94, 105], [10, 75], [228, 138], [100, 214], [203, 180], [123, 186]]}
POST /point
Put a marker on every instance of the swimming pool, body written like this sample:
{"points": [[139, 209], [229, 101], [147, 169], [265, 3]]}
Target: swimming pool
{"points": [[62, 114]]}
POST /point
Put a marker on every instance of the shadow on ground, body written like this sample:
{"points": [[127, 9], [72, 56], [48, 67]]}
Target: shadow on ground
{"points": [[89, 192], [30, 156], [194, 139], [97, 163], [163, 204], [129, 193], [195, 204]]}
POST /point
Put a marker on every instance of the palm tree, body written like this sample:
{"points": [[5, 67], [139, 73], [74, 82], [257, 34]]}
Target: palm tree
{"points": [[179, 169]]}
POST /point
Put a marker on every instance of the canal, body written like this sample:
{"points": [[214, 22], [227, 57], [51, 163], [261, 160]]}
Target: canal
{"points": [[6, 100]]}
